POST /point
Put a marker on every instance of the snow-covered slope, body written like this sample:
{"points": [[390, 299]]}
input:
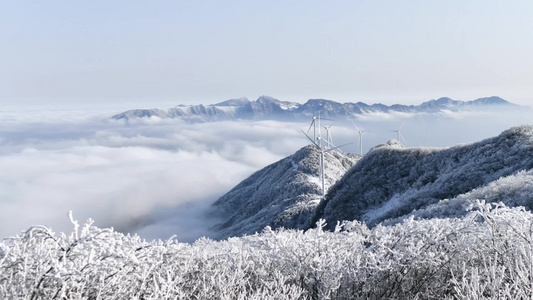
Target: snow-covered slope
{"points": [[391, 181], [283, 194], [268, 108], [513, 190]]}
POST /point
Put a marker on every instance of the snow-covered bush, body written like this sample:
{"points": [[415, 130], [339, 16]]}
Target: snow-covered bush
{"points": [[488, 253]]}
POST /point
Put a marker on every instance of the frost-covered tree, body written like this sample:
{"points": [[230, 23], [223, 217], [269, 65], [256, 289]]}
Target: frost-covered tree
{"points": [[486, 254]]}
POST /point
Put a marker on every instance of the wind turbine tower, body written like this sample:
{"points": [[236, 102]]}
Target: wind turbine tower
{"points": [[319, 137], [329, 138], [360, 137], [321, 161], [399, 135], [313, 124]]}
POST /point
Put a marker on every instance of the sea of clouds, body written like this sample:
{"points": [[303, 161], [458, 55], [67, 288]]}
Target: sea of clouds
{"points": [[158, 177]]}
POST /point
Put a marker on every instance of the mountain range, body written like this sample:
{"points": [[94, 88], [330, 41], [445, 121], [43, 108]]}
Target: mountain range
{"points": [[391, 182], [386, 185], [268, 108]]}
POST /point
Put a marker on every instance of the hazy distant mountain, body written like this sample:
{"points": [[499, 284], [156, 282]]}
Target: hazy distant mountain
{"points": [[391, 181], [283, 194], [268, 108]]}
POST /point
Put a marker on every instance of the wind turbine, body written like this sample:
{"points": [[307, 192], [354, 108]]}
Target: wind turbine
{"points": [[319, 137], [399, 135], [360, 137], [321, 161], [313, 124], [329, 138]]}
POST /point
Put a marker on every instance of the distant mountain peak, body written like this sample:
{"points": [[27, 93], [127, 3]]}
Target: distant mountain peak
{"points": [[266, 98], [234, 102], [320, 101], [494, 100], [443, 102], [447, 100]]}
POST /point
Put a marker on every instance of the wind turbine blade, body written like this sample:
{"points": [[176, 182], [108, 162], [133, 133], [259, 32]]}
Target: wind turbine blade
{"points": [[401, 125], [330, 144], [338, 147], [312, 123], [356, 126], [311, 139], [404, 141]]}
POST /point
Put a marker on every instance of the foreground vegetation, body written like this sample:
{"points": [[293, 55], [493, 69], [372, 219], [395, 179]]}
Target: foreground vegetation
{"points": [[486, 254]]}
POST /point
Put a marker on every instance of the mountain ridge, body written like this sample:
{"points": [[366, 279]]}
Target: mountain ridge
{"points": [[385, 186], [269, 108], [392, 182], [283, 194]]}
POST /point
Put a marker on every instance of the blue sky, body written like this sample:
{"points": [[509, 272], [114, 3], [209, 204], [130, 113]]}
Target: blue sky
{"points": [[140, 53]]}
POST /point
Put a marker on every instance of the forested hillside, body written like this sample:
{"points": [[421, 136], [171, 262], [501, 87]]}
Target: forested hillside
{"points": [[283, 194], [392, 181]]}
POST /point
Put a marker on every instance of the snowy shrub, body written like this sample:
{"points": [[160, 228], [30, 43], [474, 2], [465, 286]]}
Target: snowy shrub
{"points": [[488, 253]]}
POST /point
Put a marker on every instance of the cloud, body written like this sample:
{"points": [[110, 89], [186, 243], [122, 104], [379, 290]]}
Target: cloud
{"points": [[154, 178], [157, 177], [112, 185], [382, 116]]}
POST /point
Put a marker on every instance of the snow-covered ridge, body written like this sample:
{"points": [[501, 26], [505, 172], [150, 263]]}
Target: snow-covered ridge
{"points": [[391, 182], [388, 184], [268, 108], [283, 194]]}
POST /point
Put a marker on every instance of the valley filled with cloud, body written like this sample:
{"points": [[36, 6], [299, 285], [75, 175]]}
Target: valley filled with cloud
{"points": [[158, 177]]}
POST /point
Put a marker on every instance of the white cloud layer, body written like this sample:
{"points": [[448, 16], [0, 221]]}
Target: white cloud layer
{"points": [[157, 177], [154, 177]]}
